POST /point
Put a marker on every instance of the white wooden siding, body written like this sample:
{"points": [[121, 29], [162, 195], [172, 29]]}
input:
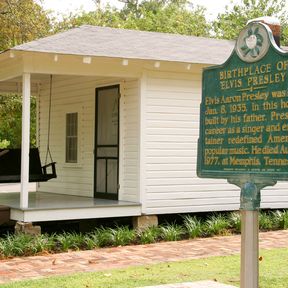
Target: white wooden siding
{"points": [[16, 87], [77, 94], [129, 186], [171, 132]]}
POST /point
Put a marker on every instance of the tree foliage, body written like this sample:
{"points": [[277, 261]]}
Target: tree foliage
{"points": [[229, 23], [22, 21], [4, 144], [11, 120], [179, 16], [174, 16]]}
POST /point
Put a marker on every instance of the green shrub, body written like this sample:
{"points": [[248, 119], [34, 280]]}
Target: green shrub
{"points": [[265, 221], [280, 219], [171, 232], [90, 241], [149, 235], [216, 225], [234, 219], [103, 237], [42, 243], [193, 226], [285, 219], [73, 241], [16, 245], [122, 236], [277, 219]]}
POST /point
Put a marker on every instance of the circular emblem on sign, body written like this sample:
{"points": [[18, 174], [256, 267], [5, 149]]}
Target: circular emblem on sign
{"points": [[252, 43]]}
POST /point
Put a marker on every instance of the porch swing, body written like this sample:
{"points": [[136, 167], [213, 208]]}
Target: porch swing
{"points": [[10, 160]]}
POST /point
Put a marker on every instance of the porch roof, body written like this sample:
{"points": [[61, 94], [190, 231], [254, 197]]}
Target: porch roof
{"points": [[96, 41]]}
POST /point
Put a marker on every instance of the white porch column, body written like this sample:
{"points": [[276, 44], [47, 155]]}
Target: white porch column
{"points": [[25, 148]]}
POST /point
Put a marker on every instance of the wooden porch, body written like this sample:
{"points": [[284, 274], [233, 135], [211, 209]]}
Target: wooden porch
{"points": [[52, 207]]}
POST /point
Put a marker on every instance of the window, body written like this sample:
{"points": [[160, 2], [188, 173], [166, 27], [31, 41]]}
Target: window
{"points": [[71, 137]]}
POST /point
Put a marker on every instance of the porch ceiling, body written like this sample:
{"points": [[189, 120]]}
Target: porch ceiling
{"points": [[15, 85]]}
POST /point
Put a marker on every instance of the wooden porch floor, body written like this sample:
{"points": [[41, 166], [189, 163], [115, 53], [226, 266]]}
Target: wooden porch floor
{"points": [[51, 207]]}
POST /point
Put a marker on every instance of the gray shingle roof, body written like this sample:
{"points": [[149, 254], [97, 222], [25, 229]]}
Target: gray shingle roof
{"points": [[131, 44]]}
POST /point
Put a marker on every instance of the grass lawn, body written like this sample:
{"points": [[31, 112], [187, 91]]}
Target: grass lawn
{"points": [[273, 273]]}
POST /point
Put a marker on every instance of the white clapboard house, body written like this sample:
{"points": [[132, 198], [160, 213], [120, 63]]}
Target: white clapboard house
{"points": [[120, 109]]}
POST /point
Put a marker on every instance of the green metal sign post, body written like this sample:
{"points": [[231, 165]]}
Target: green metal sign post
{"points": [[243, 129]]}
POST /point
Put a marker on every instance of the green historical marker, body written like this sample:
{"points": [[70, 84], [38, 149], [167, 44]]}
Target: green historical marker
{"points": [[244, 129], [244, 111]]}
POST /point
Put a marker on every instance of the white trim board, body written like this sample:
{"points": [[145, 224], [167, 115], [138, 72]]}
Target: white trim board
{"points": [[74, 213]]}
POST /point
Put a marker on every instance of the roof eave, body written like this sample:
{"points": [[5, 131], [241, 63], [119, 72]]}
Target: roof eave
{"points": [[118, 57]]}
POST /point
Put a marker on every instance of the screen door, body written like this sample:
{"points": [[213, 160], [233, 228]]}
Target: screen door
{"points": [[107, 143]]}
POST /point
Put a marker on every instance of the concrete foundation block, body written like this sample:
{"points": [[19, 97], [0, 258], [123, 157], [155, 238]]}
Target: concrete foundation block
{"points": [[143, 222], [27, 228]]}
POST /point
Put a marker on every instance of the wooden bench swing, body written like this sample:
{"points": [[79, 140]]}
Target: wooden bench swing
{"points": [[10, 161]]}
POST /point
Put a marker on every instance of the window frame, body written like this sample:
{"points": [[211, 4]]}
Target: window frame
{"points": [[71, 136], [73, 108]]}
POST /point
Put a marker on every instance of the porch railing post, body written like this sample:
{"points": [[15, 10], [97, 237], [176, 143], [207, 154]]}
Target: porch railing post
{"points": [[25, 147]]}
